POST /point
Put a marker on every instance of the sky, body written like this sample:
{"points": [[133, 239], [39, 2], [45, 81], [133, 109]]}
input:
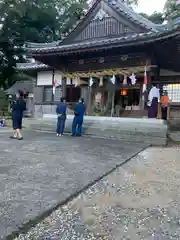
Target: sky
{"points": [[150, 6]]}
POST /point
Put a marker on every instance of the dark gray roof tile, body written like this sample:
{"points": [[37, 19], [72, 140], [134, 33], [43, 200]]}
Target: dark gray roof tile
{"points": [[42, 45], [25, 86], [132, 15], [134, 38], [31, 66]]}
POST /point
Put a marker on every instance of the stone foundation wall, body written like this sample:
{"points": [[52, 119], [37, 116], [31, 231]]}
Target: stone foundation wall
{"points": [[174, 116], [41, 109]]}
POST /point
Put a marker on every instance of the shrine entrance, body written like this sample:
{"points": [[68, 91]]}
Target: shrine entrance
{"points": [[128, 99]]}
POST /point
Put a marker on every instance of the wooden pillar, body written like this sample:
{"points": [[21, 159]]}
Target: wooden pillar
{"points": [[64, 87], [34, 82], [149, 81], [89, 100], [160, 86], [84, 94], [156, 73], [141, 99]]}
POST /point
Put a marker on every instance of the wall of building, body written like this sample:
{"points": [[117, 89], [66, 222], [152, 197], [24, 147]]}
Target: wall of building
{"points": [[44, 100], [44, 78]]}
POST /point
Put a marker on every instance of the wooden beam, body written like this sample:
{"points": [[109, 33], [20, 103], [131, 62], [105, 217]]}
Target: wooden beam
{"points": [[107, 72]]}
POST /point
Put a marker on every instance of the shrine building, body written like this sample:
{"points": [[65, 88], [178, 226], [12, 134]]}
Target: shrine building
{"points": [[110, 41]]}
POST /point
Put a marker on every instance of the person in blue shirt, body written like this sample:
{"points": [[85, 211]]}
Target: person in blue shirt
{"points": [[61, 117], [18, 107], [79, 111]]}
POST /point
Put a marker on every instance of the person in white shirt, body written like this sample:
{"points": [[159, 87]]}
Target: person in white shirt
{"points": [[153, 99]]}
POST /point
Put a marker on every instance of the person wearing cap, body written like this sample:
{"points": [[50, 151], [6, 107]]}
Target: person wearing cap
{"points": [[61, 117], [79, 111]]}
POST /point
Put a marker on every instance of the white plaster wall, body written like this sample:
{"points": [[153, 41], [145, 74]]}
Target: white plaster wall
{"points": [[44, 78]]}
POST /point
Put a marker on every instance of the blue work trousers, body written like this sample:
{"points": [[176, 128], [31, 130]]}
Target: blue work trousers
{"points": [[77, 126], [60, 125]]}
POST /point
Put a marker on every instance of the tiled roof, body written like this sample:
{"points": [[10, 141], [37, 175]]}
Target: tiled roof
{"points": [[31, 66], [42, 45], [25, 86], [139, 19], [128, 13], [135, 38], [118, 6], [153, 31]]}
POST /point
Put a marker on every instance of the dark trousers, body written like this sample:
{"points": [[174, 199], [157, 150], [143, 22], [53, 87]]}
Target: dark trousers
{"points": [[153, 109], [164, 112], [77, 126], [17, 121], [60, 125]]}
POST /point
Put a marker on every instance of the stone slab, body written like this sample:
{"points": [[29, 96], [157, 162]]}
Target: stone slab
{"points": [[174, 136], [43, 170]]}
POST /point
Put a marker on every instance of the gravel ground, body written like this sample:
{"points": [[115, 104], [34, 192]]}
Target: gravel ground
{"points": [[140, 200]]}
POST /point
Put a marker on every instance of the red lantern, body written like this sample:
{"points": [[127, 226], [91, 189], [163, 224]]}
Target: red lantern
{"points": [[123, 92]]}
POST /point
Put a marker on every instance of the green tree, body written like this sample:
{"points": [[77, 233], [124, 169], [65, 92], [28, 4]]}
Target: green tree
{"points": [[156, 17], [130, 2], [171, 9], [34, 21]]}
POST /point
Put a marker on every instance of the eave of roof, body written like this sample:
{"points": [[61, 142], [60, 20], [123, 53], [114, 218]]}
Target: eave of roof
{"points": [[26, 86], [31, 66], [128, 40], [42, 45]]}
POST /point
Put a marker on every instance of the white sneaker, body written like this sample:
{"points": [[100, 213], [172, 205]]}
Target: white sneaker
{"points": [[57, 135]]}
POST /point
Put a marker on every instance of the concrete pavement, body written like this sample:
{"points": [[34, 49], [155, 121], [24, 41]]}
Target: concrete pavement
{"points": [[138, 201], [42, 171]]}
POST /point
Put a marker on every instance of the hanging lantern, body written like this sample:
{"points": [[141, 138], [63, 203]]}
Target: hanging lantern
{"points": [[123, 92]]}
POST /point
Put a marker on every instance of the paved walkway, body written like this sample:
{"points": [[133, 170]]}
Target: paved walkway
{"points": [[138, 201], [43, 170]]}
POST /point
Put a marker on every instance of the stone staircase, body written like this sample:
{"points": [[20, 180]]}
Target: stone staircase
{"points": [[150, 131], [134, 113]]}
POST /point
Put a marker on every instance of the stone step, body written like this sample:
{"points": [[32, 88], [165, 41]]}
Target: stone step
{"points": [[151, 131]]}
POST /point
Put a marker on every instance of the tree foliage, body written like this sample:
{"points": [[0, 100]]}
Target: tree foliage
{"points": [[171, 9], [33, 21], [156, 17], [130, 2], [45, 21]]}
